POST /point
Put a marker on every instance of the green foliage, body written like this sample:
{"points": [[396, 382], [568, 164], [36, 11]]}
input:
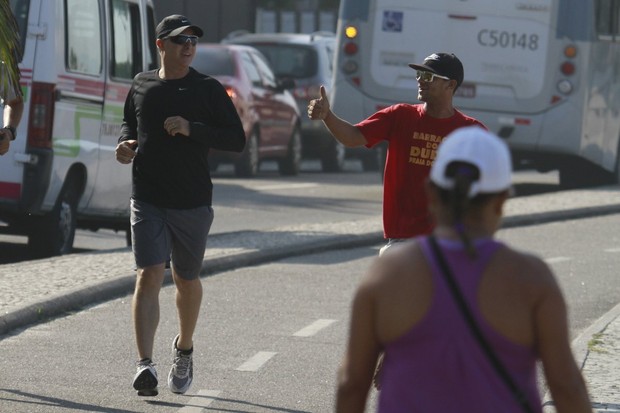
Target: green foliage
{"points": [[9, 50]]}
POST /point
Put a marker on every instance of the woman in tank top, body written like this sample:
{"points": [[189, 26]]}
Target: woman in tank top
{"points": [[403, 306]]}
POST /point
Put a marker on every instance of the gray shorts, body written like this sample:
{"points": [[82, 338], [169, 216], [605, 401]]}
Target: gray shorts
{"points": [[158, 234]]}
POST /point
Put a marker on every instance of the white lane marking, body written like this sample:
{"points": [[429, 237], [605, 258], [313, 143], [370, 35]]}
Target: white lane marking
{"points": [[612, 250], [257, 361], [314, 328], [284, 186], [555, 260], [203, 399]]}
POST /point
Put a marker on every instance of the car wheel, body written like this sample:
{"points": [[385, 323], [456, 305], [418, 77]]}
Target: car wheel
{"points": [[53, 233], [333, 158], [370, 160], [290, 164], [247, 164]]}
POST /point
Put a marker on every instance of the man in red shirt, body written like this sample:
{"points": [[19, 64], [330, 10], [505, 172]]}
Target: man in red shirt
{"points": [[413, 133]]}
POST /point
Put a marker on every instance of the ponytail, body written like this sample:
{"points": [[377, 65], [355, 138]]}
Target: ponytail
{"points": [[463, 175]]}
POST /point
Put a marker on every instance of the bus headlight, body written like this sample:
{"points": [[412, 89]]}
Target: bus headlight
{"points": [[565, 86]]}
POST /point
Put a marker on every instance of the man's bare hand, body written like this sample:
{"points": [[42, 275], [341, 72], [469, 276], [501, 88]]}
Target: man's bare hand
{"points": [[176, 125], [126, 151], [319, 108]]}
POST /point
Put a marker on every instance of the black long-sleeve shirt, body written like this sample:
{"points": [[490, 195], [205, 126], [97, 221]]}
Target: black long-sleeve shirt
{"points": [[173, 171]]}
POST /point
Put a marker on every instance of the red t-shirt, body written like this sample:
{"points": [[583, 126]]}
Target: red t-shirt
{"points": [[413, 137]]}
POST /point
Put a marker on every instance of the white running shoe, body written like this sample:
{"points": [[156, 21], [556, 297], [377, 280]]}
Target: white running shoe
{"points": [[182, 371]]}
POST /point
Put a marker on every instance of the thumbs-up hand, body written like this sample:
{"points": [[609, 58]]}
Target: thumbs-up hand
{"points": [[319, 108]]}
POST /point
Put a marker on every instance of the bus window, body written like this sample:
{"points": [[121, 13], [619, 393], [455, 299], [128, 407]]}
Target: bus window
{"points": [[607, 19]]}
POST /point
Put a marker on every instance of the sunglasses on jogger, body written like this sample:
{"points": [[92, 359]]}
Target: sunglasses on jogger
{"points": [[183, 38], [428, 76]]}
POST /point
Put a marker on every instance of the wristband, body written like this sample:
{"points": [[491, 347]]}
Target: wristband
{"points": [[12, 130]]}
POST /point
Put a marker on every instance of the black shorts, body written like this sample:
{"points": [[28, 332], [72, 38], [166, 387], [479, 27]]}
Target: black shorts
{"points": [[161, 233]]}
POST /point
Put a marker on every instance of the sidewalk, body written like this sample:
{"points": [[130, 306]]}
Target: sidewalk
{"points": [[38, 290]]}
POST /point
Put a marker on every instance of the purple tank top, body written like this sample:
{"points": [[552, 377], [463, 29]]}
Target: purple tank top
{"points": [[438, 366]]}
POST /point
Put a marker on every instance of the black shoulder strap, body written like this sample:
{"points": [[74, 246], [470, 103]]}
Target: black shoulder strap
{"points": [[475, 330]]}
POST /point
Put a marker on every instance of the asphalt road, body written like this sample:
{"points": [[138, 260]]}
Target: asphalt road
{"points": [[270, 336]]}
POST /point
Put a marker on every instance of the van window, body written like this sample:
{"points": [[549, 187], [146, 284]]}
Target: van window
{"points": [[20, 11], [152, 56], [83, 28], [126, 40]]}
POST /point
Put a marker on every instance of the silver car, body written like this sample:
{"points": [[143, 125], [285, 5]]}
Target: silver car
{"points": [[308, 59]]}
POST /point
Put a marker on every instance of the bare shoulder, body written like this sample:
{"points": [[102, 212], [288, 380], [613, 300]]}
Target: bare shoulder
{"points": [[528, 267], [395, 266]]}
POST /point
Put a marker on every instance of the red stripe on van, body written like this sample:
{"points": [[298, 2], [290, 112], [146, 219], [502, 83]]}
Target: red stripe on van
{"points": [[81, 85], [9, 190], [24, 71], [116, 93]]}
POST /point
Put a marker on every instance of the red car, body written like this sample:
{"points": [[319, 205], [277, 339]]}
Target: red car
{"points": [[267, 110]]}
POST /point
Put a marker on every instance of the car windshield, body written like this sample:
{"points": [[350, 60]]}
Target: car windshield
{"points": [[215, 62], [293, 61]]}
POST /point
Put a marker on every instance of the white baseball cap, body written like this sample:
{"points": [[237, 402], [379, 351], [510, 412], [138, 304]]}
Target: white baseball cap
{"points": [[476, 146]]}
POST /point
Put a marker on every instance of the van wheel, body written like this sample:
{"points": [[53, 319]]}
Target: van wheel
{"points": [[53, 233], [333, 158], [247, 164], [290, 164]]}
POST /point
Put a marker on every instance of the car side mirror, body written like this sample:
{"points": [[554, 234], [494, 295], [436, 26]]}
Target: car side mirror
{"points": [[285, 83]]}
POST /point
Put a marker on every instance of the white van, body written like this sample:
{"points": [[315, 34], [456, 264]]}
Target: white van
{"points": [[79, 58]]}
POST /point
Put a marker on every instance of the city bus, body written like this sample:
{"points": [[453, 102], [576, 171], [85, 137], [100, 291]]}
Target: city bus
{"points": [[542, 74]]}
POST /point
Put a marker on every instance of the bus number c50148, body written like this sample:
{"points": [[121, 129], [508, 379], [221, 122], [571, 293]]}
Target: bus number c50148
{"points": [[504, 39]]}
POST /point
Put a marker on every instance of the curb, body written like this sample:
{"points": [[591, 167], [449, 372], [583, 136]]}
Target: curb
{"points": [[580, 346]]}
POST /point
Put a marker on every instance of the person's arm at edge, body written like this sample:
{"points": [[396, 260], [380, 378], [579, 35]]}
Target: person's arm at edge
{"points": [[344, 132], [564, 379], [356, 371], [13, 112]]}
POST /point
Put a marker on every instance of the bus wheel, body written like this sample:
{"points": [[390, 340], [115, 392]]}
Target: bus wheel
{"points": [[53, 233], [581, 173]]}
